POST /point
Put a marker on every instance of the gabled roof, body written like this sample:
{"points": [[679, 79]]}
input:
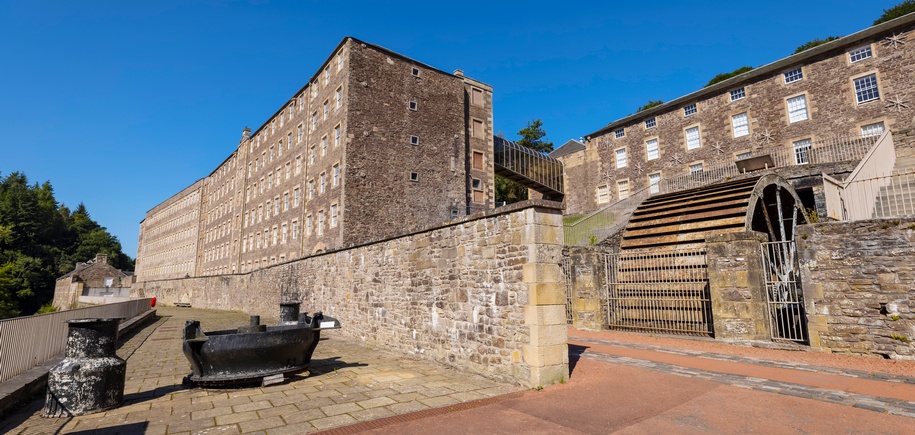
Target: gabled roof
{"points": [[801, 58], [569, 147]]}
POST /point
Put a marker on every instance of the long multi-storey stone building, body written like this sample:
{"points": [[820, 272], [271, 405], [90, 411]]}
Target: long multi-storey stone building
{"points": [[858, 85], [375, 144]]}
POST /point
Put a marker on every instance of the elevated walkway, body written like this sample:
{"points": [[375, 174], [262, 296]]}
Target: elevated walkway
{"points": [[531, 169]]}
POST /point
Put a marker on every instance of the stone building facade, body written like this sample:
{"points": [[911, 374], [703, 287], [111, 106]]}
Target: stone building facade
{"points": [[375, 144], [95, 279], [858, 85]]}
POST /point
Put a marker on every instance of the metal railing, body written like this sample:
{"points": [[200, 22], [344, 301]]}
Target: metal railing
{"points": [[879, 197], [26, 342], [577, 233], [529, 164], [661, 291], [833, 150]]}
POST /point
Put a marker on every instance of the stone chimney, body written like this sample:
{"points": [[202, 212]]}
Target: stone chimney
{"points": [[101, 259], [245, 134], [459, 73]]}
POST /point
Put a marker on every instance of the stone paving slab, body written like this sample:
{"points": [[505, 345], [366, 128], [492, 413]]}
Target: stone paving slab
{"points": [[348, 382]]}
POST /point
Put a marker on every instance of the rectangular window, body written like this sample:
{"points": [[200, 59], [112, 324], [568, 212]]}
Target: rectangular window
{"points": [[311, 189], [695, 168], [283, 234], [651, 149], [326, 109], [875, 129], [299, 133], [414, 176], [741, 124], [797, 108], [288, 170], [622, 189], [620, 132], [477, 128], [337, 136], [326, 76], [476, 97], [737, 94], [333, 215], [412, 105], [654, 183], [414, 140], [270, 181], [336, 175], [295, 230], [320, 222], [415, 71], [689, 110], [321, 187], [802, 151], [339, 98], [860, 54], [339, 61], [323, 146], [308, 225], [476, 184], [295, 197], [603, 194], [692, 138], [744, 156], [314, 121], [285, 201], [298, 164], [794, 75], [275, 235], [620, 158], [866, 89], [477, 160], [268, 208], [650, 123], [311, 155]]}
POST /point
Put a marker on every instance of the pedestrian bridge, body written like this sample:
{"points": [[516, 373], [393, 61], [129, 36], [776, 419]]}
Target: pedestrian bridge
{"points": [[530, 168]]}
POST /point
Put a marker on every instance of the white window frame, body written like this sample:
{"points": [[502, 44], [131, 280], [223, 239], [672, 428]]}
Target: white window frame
{"points": [[620, 133], [738, 94], [802, 151], [690, 110], [693, 138], [622, 189], [794, 75], [651, 123], [603, 194], [696, 168], [860, 53], [652, 149], [869, 130], [654, 182], [797, 108], [621, 158], [862, 91], [743, 128]]}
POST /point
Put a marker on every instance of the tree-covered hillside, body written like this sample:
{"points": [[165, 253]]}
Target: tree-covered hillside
{"points": [[40, 240]]}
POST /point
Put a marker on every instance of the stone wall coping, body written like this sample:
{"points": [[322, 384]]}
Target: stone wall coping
{"points": [[903, 220], [733, 237], [511, 208]]}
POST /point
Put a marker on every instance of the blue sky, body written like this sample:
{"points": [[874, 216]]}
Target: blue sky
{"points": [[122, 104]]}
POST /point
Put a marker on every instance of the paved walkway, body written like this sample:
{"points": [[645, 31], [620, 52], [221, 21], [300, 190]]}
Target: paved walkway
{"points": [[616, 386], [349, 382]]}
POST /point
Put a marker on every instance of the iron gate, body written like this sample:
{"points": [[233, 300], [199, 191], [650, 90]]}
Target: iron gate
{"points": [[659, 291], [567, 272], [784, 299]]}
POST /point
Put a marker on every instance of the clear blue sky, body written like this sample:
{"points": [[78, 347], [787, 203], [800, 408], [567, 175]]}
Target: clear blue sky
{"points": [[121, 104]]}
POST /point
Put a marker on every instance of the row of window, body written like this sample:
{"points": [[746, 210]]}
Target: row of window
{"points": [[865, 90]]}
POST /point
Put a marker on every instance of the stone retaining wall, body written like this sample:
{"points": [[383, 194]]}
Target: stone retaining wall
{"points": [[483, 294], [859, 286]]}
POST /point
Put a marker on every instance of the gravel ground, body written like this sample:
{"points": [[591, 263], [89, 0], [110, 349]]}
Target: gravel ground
{"points": [[838, 361]]}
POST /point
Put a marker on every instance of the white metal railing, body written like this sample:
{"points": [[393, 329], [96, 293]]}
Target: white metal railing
{"points": [[26, 342], [577, 233], [838, 149]]}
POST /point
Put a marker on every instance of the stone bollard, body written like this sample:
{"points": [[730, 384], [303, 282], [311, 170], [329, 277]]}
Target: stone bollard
{"points": [[91, 377]]}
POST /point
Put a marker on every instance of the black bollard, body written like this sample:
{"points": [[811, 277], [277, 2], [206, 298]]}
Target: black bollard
{"points": [[91, 377]]}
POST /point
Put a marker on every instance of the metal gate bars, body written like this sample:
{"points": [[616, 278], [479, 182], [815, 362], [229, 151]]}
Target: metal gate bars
{"points": [[784, 299], [659, 291]]}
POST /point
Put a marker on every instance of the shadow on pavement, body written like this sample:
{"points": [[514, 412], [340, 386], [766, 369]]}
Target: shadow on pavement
{"points": [[575, 352], [127, 428]]}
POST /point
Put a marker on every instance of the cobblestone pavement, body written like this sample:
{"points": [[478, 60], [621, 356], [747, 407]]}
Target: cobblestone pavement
{"points": [[348, 382], [891, 405]]}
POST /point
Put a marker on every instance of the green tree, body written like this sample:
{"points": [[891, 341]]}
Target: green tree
{"points": [[649, 105], [814, 43], [724, 76], [904, 8], [41, 240]]}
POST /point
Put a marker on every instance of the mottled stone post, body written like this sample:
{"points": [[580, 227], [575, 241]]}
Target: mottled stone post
{"points": [[588, 275], [547, 352], [736, 285]]}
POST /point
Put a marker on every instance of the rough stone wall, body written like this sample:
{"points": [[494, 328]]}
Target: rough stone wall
{"points": [[381, 193], [831, 105], [581, 173], [736, 286], [588, 280], [858, 280], [483, 294]]}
